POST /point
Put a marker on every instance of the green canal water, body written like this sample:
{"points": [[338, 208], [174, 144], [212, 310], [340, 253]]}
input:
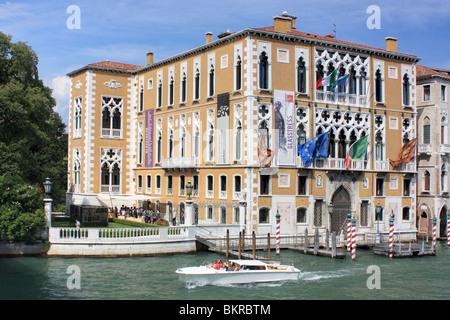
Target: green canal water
{"points": [[154, 278]]}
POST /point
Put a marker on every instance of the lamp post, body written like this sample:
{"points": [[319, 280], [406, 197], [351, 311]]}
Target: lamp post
{"points": [[189, 212], [48, 201]]}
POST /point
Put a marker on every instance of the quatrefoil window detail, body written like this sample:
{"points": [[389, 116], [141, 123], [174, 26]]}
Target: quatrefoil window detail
{"points": [[263, 110]]}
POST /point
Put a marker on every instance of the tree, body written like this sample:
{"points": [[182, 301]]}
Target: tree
{"points": [[33, 143]]}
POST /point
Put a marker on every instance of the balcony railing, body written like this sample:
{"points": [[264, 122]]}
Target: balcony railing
{"points": [[409, 167], [180, 163], [381, 165], [445, 148], [333, 163], [111, 133], [424, 148], [340, 98], [107, 188]]}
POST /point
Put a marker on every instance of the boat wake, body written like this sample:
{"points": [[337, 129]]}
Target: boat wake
{"points": [[192, 285], [321, 275]]}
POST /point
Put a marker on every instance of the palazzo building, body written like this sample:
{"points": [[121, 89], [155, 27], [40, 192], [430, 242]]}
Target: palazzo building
{"points": [[141, 133], [433, 109]]}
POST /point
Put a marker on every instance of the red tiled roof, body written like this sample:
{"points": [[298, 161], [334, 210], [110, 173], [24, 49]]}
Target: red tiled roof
{"points": [[115, 65], [423, 71], [324, 38]]}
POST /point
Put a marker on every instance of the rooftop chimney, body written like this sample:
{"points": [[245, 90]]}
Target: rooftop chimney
{"points": [[284, 23], [209, 37], [149, 57], [391, 44]]}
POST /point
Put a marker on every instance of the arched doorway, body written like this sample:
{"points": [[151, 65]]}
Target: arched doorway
{"points": [[423, 220], [341, 207], [443, 225]]}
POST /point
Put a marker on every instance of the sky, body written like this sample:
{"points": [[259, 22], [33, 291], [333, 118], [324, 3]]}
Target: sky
{"points": [[69, 34]]}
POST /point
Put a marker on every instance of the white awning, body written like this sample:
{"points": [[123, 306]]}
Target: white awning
{"points": [[88, 201], [117, 200]]}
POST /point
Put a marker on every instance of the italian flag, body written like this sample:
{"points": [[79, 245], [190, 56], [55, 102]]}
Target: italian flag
{"points": [[329, 80], [356, 151]]}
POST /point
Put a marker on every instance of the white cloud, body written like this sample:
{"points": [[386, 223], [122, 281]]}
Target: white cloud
{"points": [[13, 10], [61, 87], [61, 92]]}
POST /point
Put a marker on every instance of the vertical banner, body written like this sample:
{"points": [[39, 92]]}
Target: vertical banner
{"points": [[149, 138], [284, 127], [223, 127]]}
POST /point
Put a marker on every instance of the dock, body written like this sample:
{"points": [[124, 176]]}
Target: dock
{"points": [[239, 248], [401, 250]]}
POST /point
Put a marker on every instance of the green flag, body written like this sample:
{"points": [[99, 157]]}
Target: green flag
{"points": [[356, 151], [333, 78]]}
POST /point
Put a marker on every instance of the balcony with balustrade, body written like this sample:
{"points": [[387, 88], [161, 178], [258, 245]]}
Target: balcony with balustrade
{"points": [[444, 149], [333, 164], [340, 98], [180, 163], [424, 149]]}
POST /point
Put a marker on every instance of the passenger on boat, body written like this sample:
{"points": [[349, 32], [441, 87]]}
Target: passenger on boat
{"points": [[216, 264]]}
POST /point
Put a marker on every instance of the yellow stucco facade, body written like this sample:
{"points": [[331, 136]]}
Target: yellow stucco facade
{"points": [[249, 69]]}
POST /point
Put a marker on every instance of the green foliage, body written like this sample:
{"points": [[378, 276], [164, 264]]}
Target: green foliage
{"points": [[33, 144], [21, 213]]}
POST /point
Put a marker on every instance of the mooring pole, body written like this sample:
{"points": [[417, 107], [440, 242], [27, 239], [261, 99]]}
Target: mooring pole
{"points": [[278, 232], [333, 244], [434, 233], [268, 246], [305, 250], [254, 245], [239, 249], [228, 243], [391, 235]]}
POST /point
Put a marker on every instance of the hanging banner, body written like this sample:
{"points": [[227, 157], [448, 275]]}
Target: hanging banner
{"points": [[149, 138], [223, 128], [284, 118]]}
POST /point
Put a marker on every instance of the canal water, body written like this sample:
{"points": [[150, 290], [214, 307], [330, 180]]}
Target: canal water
{"points": [[153, 278]]}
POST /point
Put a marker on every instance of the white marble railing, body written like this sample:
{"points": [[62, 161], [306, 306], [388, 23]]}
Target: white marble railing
{"points": [[120, 235]]}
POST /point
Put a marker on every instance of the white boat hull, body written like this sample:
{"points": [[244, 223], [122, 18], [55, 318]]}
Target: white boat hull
{"points": [[208, 275]]}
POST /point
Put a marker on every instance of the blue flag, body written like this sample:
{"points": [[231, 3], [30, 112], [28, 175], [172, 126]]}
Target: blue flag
{"points": [[314, 149], [342, 81]]}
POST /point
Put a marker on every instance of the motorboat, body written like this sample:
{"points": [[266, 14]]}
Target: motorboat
{"points": [[246, 271]]}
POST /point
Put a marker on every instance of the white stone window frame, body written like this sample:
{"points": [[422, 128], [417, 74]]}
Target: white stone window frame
{"points": [[379, 65], [120, 106], [263, 46], [77, 118], [302, 52], [238, 56], [170, 78]]}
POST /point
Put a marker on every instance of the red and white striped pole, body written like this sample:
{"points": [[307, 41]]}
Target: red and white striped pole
{"points": [[353, 238], [278, 232], [349, 232], [391, 235], [434, 233], [448, 228]]}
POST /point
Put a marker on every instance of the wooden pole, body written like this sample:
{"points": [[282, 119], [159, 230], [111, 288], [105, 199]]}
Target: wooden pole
{"points": [[316, 241], [333, 244], [228, 243], [254, 245], [306, 241], [268, 246], [239, 249]]}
